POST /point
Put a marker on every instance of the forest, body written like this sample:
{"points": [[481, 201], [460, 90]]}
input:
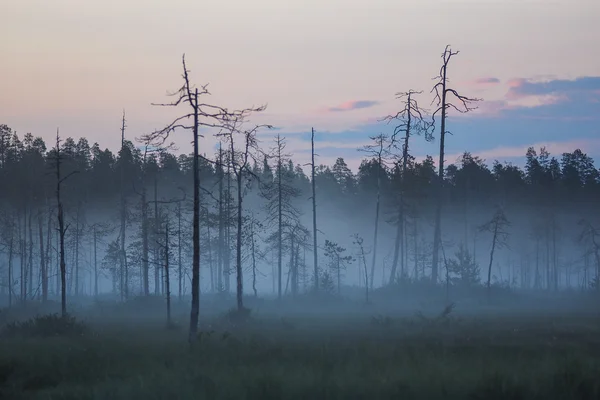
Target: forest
{"points": [[233, 227]]}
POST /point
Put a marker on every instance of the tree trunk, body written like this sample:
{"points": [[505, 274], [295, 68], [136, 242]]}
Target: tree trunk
{"points": [[179, 261], [48, 262], [437, 236], [167, 280], [376, 221], [156, 255], [210, 260], [238, 255], [10, 268], [95, 263], [489, 275], [195, 311], [30, 257], [77, 250], [292, 264], [279, 224], [314, 208], [43, 269], [253, 258], [221, 271], [145, 249], [228, 232]]}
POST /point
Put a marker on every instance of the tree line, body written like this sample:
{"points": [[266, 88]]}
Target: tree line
{"points": [[83, 220]]}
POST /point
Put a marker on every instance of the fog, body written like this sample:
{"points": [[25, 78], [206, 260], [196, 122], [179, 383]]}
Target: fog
{"points": [[545, 245]]}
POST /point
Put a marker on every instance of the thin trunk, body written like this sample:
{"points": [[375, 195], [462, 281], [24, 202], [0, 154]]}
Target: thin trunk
{"points": [[77, 251], [238, 256], [145, 250], [195, 311], [416, 236], [30, 257], [253, 257], [62, 230], [48, 261], [279, 223], [43, 269], [364, 260], [221, 271], [314, 207], [167, 280], [489, 275], [156, 255], [292, 264], [10, 268], [210, 261], [339, 276], [179, 262], [554, 257], [437, 236], [22, 239], [400, 229], [376, 219], [228, 231], [122, 253], [95, 263]]}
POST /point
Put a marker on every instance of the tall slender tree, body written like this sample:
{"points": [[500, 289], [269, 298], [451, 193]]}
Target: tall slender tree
{"points": [[442, 91]]}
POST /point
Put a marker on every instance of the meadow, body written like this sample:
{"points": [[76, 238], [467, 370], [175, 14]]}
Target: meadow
{"points": [[344, 350]]}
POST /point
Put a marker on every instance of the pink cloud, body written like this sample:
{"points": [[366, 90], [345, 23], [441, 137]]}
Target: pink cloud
{"points": [[487, 81], [352, 105]]}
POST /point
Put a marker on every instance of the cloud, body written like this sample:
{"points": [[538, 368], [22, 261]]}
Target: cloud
{"points": [[545, 98], [487, 81], [353, 105], [519, 88]]}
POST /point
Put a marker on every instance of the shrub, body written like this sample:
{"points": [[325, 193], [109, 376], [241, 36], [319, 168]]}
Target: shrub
{"points": [[46, 326]]}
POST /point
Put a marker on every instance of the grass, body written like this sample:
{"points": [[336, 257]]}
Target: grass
{"points": [[343, 357]]}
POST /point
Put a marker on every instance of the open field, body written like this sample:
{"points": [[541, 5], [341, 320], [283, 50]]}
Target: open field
{"points": [[359, 355]]}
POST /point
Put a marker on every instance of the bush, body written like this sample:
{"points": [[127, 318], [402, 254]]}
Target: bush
{"points": [[46, 326]]}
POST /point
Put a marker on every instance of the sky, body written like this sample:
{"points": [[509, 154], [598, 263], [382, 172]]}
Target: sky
{"points": [[334, 65]]}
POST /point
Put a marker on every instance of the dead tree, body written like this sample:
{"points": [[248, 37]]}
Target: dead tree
{"points": [[62, 229], [123, 255], [240, 165], [280, 210], [43, 264], [589, 237], [377, 150], [167, 277], [442, 91], [409, 121], [497, 227], [205, 115], [358, 241], [314, 209]]}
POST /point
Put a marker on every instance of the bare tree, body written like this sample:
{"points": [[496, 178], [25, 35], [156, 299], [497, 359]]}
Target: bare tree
{"points": [[497, 227], [442, 91], [62, 229], [123, 254], [409, 121], [377, 150], [314, 209], [205, 115], [280, 210], [240, 165], [358, 241]]}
